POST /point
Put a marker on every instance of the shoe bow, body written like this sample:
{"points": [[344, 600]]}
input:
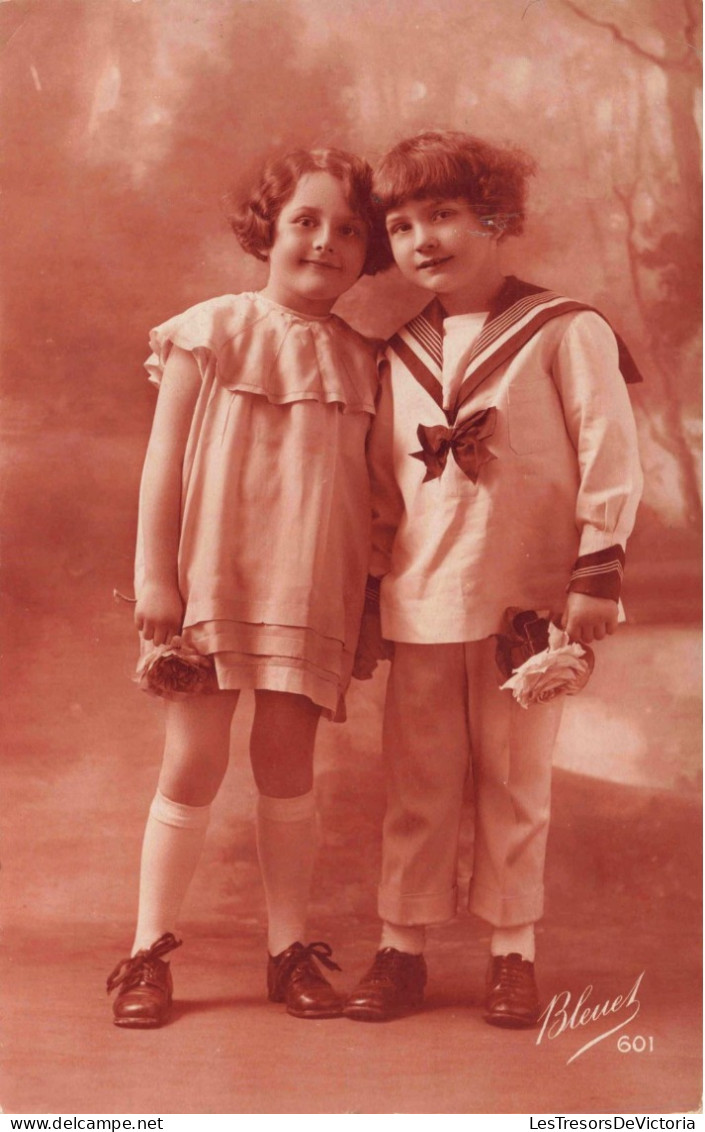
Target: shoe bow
{"points": [[132, 967], [320, 951]]}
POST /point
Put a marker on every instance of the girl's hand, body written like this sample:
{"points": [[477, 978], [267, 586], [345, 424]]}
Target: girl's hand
{"points": [[587, 619], [159, 613], [371, 646]]}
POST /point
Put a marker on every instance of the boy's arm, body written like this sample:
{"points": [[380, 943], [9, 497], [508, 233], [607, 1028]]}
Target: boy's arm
{"points": [[601, 424]]}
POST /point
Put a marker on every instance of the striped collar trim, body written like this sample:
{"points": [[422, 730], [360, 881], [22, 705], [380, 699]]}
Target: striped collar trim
{"points": [[419, 344], [519, 311], [424, 335], [502, 338]]}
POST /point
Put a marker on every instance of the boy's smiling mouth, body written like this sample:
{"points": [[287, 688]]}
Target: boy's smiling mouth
{"points": [[321, 263]]}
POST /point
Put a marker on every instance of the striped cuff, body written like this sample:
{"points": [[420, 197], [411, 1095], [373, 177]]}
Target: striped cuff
{"points": [[372, 594], [599, 574]]}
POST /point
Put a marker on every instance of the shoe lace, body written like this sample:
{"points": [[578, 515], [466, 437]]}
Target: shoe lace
{"points": [[142, 966], [302, 960], [384, 966], [510, 974]]}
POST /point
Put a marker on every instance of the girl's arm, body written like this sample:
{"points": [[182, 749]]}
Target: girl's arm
{"points": [[387, 500], [387, 509], [160, 608]]}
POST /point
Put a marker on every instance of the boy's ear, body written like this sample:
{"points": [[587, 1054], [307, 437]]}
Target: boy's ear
{"points": [[495, 226], [495, 231], [491, 226]]}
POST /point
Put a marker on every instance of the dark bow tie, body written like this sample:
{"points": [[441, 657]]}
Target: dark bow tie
{"points": [[466, 441]]}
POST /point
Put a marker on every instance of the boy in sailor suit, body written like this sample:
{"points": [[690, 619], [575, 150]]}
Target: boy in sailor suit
{"points": [[505, 476]]}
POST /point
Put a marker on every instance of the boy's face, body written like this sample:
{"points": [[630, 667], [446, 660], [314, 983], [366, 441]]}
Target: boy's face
{"points": [[442, 246]]}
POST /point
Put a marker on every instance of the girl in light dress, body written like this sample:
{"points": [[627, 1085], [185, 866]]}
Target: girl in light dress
{"points": [[252, 556]]}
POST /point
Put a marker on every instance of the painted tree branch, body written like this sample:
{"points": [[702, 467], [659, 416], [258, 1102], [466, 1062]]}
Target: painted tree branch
{"points": [[688, 61], [671, 436], [691, 29]]}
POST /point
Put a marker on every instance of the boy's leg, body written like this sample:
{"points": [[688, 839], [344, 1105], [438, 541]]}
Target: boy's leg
{"points": [[426, 757], [512, 757]]}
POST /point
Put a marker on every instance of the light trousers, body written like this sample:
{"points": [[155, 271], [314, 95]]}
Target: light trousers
{"points": [[446, 719]]}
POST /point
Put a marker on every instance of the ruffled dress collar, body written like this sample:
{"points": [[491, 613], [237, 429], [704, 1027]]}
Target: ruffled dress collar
{"points": [[250, 344], [286, 356]]}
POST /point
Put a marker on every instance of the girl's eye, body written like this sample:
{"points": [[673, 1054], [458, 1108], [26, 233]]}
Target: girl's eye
{"points": [[397, 229], [305, 221], [350, 230], [443, 213]]}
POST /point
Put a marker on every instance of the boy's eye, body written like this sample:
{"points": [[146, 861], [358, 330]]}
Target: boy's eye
{"points": [[350, 230], [443, 213]]}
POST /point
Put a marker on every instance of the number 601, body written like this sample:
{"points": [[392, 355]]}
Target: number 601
{"points": [[637, 1044]]}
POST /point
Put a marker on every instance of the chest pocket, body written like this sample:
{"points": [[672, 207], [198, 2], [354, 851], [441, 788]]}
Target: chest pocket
{"points": [[528, 408]]}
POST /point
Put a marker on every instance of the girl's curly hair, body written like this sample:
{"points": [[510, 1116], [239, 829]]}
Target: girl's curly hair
{"points": [[253, 217], [449, 163]]}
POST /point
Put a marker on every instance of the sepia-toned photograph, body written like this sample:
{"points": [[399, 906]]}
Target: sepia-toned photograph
{"points": [[351, 560]]}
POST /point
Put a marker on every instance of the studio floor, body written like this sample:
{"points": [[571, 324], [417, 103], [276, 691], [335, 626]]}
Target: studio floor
{"points": [[623, 901]]}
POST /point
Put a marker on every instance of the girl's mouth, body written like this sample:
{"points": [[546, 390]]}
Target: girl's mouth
{"points": [[429, 264]]}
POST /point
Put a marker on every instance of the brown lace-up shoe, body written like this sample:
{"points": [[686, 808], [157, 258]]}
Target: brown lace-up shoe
{"points": [[145, 985], [511, 995], [293, 977], [393, 985]]}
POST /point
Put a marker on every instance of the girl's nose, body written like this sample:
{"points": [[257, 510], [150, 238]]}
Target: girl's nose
{"points": [[424, 238]]}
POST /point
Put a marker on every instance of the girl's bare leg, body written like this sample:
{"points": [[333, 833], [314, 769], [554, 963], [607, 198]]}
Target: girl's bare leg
{"points": [[282, 742], [195, 760], [197, 747], [281, 750]]}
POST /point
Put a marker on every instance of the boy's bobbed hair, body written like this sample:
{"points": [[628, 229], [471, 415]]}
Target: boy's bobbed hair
{"points": [[253, 216], [449, 163]]}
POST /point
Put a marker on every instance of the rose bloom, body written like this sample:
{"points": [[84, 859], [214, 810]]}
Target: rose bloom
{"points": [[176, 670], [561, 669]]}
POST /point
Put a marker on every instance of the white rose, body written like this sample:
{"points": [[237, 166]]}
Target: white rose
{"points": [[564, 668]]}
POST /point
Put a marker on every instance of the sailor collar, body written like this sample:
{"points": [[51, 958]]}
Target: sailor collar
{"points": [[517, 313]]}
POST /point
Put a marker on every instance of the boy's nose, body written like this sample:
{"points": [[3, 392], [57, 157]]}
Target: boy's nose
{"points": [[324, 239]]}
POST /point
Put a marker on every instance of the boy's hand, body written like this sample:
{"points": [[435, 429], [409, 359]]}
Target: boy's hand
{"points": [[586, 619], [371, 646], [159, 612]]}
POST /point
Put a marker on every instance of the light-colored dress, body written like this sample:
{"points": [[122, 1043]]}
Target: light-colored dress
{"points": [[275, 524]]}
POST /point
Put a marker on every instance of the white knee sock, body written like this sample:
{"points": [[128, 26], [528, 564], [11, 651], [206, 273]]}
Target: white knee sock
{"points": [[410, 938], [172, 844], [286, 845], [519, 940]]}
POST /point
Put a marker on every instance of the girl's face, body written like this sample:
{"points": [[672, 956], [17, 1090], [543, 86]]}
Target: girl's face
{"points": [[442, 246], [319, 246]]}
